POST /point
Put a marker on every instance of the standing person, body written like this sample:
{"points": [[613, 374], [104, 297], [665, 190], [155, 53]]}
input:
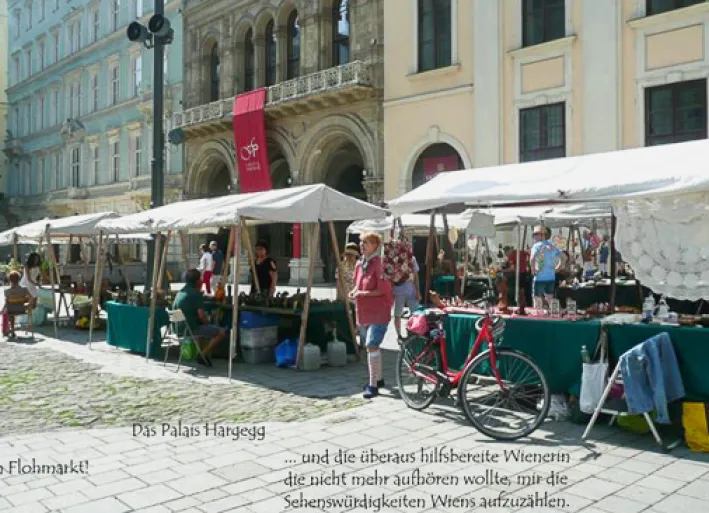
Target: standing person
{"points": [[266, 270], [217, 264], [349, 261], [545, 262], [604, 252], [31, 275], [205, 267], [373, 297], [406, 294]]}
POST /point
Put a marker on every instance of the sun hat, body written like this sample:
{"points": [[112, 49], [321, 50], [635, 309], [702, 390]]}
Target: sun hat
{"points": [[538, 229]]}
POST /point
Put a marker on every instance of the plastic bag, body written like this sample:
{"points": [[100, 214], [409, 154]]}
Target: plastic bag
{"points": [[286, 353], [593, 383], [695, 421], [188, 351]]}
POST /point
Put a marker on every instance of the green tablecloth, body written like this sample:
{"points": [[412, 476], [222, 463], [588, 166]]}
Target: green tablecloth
{"points": [[554, 345], [691, 347], [128, 327]]}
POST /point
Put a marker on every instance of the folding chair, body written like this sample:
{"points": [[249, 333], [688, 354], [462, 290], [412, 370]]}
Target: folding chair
{"points": [[172, 337], [17, 306], [618, 407]]}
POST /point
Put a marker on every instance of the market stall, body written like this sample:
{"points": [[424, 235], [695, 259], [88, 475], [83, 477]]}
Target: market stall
{"points": [[310, 204], [659, 224]]}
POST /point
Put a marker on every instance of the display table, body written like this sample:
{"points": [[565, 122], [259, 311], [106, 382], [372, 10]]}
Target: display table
{"points": [[128, 327], [691, 347], [444, 286], [625, 295], [555, 345]]}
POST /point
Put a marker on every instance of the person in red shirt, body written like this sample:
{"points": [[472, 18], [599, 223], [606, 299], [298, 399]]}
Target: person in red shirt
{"points": [[524, 277], [373, 299]]}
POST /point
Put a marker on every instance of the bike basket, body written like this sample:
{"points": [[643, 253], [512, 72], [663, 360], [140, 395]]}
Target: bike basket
{"points": [[418, 324]]}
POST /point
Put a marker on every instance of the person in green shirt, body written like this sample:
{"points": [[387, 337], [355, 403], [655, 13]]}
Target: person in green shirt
{"points": [[191, 301]]}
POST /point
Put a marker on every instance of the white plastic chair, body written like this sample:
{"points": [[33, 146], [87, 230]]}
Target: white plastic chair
{"points": [[172, 338]]}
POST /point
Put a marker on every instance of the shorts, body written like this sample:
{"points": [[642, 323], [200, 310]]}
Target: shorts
{"points": [[207, 331], [404, 300], [372, 335], [543, 288]]}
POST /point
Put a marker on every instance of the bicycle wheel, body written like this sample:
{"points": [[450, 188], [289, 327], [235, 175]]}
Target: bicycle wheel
{"points": [[508, 413], [417, 391]]}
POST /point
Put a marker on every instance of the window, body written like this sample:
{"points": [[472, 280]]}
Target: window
{"points": [[660, 6], [40, 112], [56, 5], [28, 63], [58, 171], [16, 23], [214, 74], [94, 93], [76, 167], [542, 132], [16, 69], [96, 164], [71, 38], [676, 112], [115, 85], [115, 14], [137, 155], [42, 9], [29, 14], [32, 179], [137, 74], [53, 107], [270, 55], [96, 25], [116, 161], [42, 51], [434, 34], [78, 100], [293, 50], [542, 21], [55, 44], [249, 55], [138, 8], [28, 118], [16, 121], [77, 33], [340, 32], [44, 176]]}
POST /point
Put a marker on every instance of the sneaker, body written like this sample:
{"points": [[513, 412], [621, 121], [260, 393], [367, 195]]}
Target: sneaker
{"points": [[380, 384], [202, 361], [370, 392]]}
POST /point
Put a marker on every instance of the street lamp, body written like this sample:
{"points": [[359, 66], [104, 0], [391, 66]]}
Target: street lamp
{"points": [[155, 36]]}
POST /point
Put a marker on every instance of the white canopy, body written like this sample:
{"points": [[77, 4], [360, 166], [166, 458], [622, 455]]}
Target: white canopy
{"points": [[670, 169], [305, 204], [418, 223], [77, 226]]}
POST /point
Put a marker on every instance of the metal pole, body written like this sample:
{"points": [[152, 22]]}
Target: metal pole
{"points": [[157, 184]]}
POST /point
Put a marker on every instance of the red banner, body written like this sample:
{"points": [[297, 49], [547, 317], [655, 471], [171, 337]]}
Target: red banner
{"points": [[250, 142], [434, 165]]}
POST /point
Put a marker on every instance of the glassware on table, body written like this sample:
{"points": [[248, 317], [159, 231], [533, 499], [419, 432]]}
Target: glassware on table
{"points": [[539, 304], [555, 308], [571, 308]]}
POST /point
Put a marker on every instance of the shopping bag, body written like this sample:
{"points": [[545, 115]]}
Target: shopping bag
{"points": [[594, 379], [398, 258], [696, 426], [5, 324], [188, 350], [286, 353]]}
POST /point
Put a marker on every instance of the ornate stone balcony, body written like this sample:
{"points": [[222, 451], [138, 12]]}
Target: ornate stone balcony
{"points": [[334, 86]]}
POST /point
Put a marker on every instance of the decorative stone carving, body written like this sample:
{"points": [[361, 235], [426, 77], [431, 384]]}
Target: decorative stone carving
{"points": [[72, 130]]}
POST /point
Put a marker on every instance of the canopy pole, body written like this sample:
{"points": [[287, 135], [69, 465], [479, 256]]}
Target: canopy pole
{"points": [[250, 255], [466, 261], [341, 285], [488, 257], [163, 262], [98, 270], [614, 261], [183, 243], [229, 252], [236, 232], [154, 294], [429, 255], [53, 263], [66, 253], [524, 237], [519, 244], [306, 306]]}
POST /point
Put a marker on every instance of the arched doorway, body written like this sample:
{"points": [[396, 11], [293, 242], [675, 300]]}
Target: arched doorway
{"points": [[436, 158], [344, 169], [216, 181]]}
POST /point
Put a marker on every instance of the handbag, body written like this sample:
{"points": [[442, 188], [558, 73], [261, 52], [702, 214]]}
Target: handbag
{"points": [[594, 378], [398, 259]]}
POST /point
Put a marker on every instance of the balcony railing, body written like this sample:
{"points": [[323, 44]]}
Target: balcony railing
{"points": [[357, 73]]}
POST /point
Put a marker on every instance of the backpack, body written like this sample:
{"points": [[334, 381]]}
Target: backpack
{"points": [[398, 258]]}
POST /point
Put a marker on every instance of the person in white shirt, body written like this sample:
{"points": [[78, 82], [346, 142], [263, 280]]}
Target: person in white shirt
{"points": [[31, 276], [206, 266]]}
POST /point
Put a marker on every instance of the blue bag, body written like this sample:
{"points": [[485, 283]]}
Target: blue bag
{"points": [[286, 353]]}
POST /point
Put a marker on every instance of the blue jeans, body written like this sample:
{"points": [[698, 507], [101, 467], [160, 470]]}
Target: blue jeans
{"points": [[543, 288], [372, 335]]}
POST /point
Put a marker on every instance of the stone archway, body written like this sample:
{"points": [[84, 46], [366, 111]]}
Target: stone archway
{"points": [[436, 158]]}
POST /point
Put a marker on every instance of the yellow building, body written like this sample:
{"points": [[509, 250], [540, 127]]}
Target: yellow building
{"points": [[475, 83]]}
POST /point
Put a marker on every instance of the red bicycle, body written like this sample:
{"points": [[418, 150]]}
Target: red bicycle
{"points": [[502, 391]]}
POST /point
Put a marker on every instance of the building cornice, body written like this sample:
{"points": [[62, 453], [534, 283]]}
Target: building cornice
{"points": [[543, 49], [688, 14]]}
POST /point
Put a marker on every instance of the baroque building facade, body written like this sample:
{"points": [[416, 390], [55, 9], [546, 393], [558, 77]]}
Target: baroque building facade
{"points": [[79, 137], [321, 64]]}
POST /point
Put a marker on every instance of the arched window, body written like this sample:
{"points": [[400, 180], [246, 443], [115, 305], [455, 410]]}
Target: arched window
{"points": [[249, 61], [437, 158], [270, 55], [293, 35], [434, 33], [340, 32], [214, 74]]}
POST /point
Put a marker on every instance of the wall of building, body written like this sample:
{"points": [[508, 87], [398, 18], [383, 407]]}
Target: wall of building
{"points": [[3, 112]]}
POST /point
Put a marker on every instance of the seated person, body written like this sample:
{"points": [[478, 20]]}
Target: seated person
{"points": [[191, 302], [16, 301]]}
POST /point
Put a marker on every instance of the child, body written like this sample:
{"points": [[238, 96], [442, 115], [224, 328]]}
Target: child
{"points": [[16, 300]]}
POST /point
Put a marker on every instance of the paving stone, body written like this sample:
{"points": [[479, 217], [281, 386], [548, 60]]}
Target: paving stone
{"points": [[617, 504], [677, 502], [115, 488], [18, 499], [196, 483], [143, 498], [65, 501], [106, 505], [594, 488]]}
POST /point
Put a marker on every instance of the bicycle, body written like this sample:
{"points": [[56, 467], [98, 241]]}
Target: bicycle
{"points": [[424, 358]]}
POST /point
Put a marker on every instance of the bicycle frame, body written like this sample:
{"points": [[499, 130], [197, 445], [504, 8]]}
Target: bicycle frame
{"points": [[454, 377]]}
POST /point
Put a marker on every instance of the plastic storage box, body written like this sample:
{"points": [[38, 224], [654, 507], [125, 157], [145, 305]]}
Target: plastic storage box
{"points": [[258, 344]]}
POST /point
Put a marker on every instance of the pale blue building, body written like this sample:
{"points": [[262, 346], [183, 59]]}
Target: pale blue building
{"points": [[79, 131]]}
